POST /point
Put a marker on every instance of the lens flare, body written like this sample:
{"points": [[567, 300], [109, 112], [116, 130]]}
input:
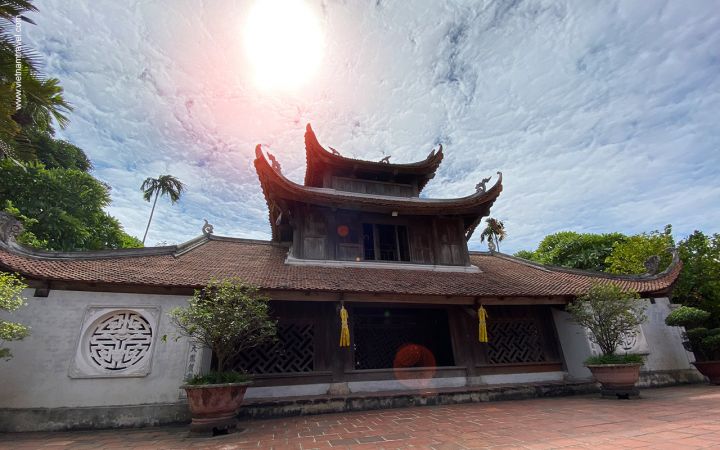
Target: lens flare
{"points": [[283, 43]]}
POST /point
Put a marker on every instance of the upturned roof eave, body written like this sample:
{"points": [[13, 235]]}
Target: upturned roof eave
{"points": [[275, 184]]}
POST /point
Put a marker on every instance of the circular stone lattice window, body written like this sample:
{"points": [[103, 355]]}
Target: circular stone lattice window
{"points": [[119, 341]]}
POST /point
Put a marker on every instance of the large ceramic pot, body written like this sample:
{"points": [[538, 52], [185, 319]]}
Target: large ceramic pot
{"points": [[214, 407], [710, 369], [617, 379]]}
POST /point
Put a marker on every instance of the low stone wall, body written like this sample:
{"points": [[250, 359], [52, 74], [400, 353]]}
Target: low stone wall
{"points": [[92, 417]]}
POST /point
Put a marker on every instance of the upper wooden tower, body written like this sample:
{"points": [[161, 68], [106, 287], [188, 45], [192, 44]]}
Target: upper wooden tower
{"points": [[360, 211]]}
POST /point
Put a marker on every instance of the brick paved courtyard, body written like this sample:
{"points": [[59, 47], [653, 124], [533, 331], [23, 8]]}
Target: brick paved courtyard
{"points": [[675, 418]]}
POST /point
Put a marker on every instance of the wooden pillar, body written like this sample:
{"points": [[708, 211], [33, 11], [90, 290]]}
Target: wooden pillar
{"points": [[464, 335]]}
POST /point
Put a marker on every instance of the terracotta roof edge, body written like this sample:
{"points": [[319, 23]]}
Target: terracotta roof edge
{"points": [[213, 237], [19, 249]]}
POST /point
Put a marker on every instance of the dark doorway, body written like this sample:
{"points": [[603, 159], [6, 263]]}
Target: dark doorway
{"points": [[381, 332]]}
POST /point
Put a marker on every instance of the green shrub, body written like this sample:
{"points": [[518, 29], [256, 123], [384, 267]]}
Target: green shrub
{"points": [[687, 316], [614, 359], [610, 313], [703, 342], [227, 316], [711, 346], [219, 378], [11, 288]]}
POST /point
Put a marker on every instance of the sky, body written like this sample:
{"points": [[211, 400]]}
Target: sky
{"points": [[602, 116]]}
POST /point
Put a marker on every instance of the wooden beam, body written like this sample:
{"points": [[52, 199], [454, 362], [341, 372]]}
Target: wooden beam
{"points": [[288, 295]]}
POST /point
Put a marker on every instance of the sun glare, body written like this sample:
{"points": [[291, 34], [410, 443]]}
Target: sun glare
{"points": [[283, 42]]}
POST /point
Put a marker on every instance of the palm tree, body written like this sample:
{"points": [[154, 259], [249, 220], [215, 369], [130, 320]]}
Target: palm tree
{"points": [[494, 232], [162, 185]]}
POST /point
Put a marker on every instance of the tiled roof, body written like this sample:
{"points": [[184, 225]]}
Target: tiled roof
{"points": [[263, 264]]}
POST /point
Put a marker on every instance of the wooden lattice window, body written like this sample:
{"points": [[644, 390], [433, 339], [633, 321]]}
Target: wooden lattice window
{"points": [[515, 341], [379, 333], [293, 351]]}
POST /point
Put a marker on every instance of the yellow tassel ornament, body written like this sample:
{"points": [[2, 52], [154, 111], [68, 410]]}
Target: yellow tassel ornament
{"points": [[482, 316], [344, 330]]}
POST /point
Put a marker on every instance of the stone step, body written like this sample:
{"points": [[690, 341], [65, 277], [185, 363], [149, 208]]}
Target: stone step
{"points": [[293, 406]]}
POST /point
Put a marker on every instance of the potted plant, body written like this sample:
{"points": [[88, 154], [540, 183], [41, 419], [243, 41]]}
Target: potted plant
{"points": [[228, 317], [704, 342], [611, 315]]}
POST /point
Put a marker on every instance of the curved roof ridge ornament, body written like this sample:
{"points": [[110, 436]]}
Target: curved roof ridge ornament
{"points": [[259, 153], [207, 228], [433, 154], [481, 187]]}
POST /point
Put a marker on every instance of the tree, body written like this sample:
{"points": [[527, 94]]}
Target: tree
{"points": [[11, 299], [32, 104], [47, 185], [586, 251], [629, 256], [58, 154], [495, 231], [609, 313], [228, 317], [699, 281], [160, 186], [62, 208]]}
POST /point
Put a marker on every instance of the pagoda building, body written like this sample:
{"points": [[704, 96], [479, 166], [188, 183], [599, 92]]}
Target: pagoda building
{"points": [[373, 287], [370, 212]]}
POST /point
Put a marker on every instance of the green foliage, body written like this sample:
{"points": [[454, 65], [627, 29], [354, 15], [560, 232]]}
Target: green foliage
{"points": [[628, 257], [227, 316], [614, 359], [699, 281], [11, 299], [687, 316], [58, 154], [609, 313], [584, 251], [42, 101], [703, 342], [164, 185], [215, 377], [698, 289], [65, 207], [526, 254], [43, 180], [711, 345]]}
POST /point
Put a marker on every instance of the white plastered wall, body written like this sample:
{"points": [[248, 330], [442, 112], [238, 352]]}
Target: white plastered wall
{"points": [[38, 374]]}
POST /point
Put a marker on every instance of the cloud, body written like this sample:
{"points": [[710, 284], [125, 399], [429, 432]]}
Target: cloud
{"points": [[601, 115]]}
